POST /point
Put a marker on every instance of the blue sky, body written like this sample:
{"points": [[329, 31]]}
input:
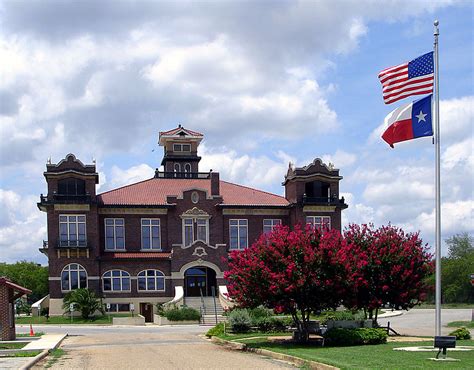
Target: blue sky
{"points": [[266, 82]]}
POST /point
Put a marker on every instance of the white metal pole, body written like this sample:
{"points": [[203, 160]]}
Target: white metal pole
{"points": [[437, 185]]}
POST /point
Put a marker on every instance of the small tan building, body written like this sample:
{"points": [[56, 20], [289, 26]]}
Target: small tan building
{"points": [[9, 292]]}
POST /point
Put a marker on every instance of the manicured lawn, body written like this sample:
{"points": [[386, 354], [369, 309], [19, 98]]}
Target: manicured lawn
{"points": [[12, 345], [445, 305], [380, 356], [458, 324], [25, 335], [66, 320], [25, 354]]}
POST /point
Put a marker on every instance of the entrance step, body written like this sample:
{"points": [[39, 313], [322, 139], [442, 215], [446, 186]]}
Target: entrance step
{"points": [[210, 320], [206, 305]]}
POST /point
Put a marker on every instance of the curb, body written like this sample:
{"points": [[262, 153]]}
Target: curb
{"points": [[35, 360], [40, 356], [278, 356], [390, 314]]}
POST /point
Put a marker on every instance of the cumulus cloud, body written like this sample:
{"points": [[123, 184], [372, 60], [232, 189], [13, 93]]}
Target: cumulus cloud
{"points": [[121, 177], [22, 227]]}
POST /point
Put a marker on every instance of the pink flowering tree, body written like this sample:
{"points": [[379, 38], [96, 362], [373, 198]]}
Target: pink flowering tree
{"points": [[388, 267], [293, 272]]}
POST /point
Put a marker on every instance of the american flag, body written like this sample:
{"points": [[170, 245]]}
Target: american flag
{"points": [[411, 78]]}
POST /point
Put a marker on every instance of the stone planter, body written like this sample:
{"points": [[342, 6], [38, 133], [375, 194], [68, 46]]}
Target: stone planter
{"points": [[161, 320], [135, 320]]}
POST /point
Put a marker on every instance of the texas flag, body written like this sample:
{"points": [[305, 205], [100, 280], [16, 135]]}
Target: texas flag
{"points": [[409, 122]]}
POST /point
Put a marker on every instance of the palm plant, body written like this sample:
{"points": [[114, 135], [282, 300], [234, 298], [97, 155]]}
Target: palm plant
{"points": [[84, 301]]}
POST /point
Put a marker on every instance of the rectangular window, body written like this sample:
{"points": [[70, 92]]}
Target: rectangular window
{"points": [[181, 147], [119, 307], [319, 222], [238, 230], [72, 230], [188, 225], [114, 234], [202, 230], [270, 224], [151, 236]]}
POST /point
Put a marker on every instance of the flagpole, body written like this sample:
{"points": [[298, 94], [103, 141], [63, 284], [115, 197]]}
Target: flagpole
{"points": [[437, 186]]}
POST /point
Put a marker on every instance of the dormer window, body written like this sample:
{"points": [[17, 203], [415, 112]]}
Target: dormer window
{"points": [[182, 147], [71, 186]]}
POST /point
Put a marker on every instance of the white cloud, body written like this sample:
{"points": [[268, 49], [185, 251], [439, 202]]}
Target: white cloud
{"points": [[340, 159], [120, 177], [260, 171], [22, 227]]}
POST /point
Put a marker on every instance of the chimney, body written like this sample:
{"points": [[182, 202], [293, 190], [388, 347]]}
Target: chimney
{"points": [[214, 183]]}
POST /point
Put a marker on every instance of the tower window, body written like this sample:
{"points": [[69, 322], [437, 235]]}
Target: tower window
{"points": [[182, 147], [71, 186]]}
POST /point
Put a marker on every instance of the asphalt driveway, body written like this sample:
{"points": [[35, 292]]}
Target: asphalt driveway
{"points": [[180, 347]]}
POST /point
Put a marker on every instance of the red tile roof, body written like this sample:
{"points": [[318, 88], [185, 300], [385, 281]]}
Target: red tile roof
{"points": [[178, 129], [147, 255], [154, 191], [18, 288]]}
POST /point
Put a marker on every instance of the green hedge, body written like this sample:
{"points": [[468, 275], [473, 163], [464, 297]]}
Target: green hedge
{"points": [[354, 337], [182, 314], [216, 330], [461, 333]]}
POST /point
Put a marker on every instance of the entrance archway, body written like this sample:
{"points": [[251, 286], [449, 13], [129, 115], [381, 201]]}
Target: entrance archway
{"points": [[199, 280]]}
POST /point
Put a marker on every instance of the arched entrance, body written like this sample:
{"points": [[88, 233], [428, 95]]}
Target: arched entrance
{"points": [[199, 280]]}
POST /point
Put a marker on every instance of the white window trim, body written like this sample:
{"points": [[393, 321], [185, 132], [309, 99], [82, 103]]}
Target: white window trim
{"points": [[77, 228], [78, 276], [115, 235], [151, 238], [238, 233], [194, 227], [274, 223], [146, 282], [112, 284], [322, 218], [177, 167]]}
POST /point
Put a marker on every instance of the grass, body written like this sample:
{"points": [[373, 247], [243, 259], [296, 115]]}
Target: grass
{"points": [[380, 356], [12, 345], [54, 356], [65, 320], [25, 354], [458, 324], [26, 335], [445, 305]]}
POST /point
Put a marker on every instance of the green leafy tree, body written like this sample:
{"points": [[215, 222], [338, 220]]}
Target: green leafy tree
{"points": [[456, 268], [28, 274], [84, 301]]}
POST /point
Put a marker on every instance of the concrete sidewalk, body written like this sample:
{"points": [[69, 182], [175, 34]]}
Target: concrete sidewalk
{"points": [[47, 341]]}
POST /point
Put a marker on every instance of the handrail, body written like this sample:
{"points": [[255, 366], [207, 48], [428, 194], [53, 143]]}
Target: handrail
{"points": [[213, 290], [202, 300]]}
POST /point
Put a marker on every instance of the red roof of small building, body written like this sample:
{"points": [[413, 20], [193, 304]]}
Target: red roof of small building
{"points": [[18, 288], [153, 192], [178, 129]]}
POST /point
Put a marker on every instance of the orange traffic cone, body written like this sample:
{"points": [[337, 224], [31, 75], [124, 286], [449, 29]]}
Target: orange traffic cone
{"points": [[32, 333]]}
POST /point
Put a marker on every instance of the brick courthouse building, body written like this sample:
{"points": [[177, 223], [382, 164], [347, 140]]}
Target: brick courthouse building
{"points": [[167, 237]]}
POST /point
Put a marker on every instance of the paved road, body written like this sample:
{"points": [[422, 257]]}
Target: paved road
{"points": [[178, 347], [422, 321]]}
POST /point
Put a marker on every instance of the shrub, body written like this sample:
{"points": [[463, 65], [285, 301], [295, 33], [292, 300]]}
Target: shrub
{"points": [[182, 314], [240, 320], [84, 301], [461, 333], [339, 315], [355, 337], [216, 330]]}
